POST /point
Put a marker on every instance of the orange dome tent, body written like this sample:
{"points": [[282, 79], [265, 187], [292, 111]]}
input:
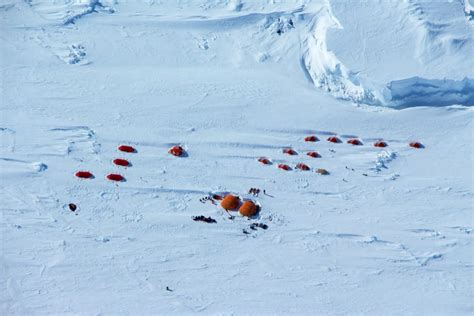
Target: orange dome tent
{"points": [[230, 202], [177, 151], [248, 208]]}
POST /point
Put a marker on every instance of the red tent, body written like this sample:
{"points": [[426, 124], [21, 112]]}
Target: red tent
{"points": [[284, 167], [264, 160], [121, 162], [84, 175], [380, 143], [302, 166], [333, 139], [289, 151], [127, 149], [313, 154], [177, 151], [115, 177], [416, 145], [311, 138], [355, 142]]}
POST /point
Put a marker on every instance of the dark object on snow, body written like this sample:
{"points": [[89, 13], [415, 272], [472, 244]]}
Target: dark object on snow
{"points": [[204, 219], [127, 149], [217, 197], [72, 207], [322, 171], [254, 226], [207, 198], [168, 289], [245, 231], [254, 191], [267, 194]]}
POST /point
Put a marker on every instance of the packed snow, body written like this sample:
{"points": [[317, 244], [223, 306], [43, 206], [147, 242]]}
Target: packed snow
{"points": [[208, 95]]}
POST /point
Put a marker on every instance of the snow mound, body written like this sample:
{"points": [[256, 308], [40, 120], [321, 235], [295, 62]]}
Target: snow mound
{"points": [[69, 11], [15, 167], [383, 159], [425, 92], [439, 35], [358, 57], [399, 41], [468, 9]]}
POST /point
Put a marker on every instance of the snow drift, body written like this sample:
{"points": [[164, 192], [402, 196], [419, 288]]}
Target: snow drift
{"points": [[424, 92]]}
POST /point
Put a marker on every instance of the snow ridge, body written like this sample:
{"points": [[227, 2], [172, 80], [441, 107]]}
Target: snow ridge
{"points": [[325, 69], [68, 12], [437, 37], [468, 9], [425, 92]]}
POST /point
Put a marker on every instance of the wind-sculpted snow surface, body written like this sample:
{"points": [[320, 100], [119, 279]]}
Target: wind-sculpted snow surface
{"points": [[468, 9], [123, 133], [336, 50], [396, 41], [69, 11], [424, 92]]}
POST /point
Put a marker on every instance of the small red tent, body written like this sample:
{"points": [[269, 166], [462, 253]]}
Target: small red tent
{"points": [[289, 151], [311, 138], [284, 167], [302, 166], [115, 177], [333, 139], [84, 175], [313, 154], [127, 149]]}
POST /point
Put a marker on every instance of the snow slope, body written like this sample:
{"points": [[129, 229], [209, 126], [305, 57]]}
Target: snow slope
{"points": [[388, 231], [399, 40]]}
